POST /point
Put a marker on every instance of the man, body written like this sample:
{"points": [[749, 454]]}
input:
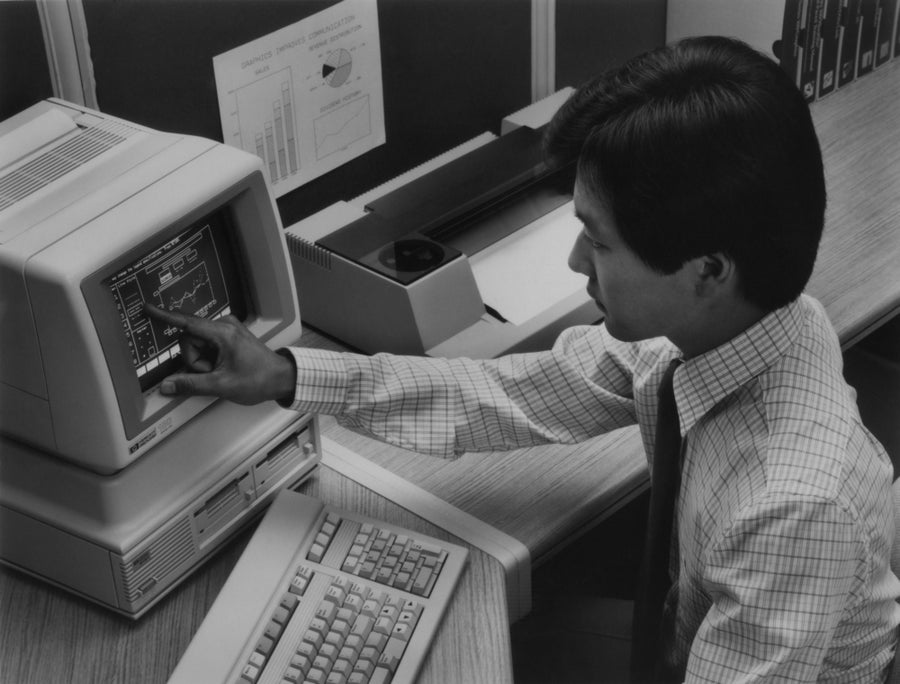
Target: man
{"points": [[700, 186]]}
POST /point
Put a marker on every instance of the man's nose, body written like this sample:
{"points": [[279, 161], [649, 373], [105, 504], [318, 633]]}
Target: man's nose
{"points": [[579, 260]]}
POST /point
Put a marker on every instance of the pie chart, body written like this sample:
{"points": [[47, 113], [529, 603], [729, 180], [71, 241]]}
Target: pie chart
{"points": [[337, 67]]}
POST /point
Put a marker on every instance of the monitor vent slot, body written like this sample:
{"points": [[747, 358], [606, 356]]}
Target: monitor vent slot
{"points": [[61, 159], [308, 251], [167, 554]]}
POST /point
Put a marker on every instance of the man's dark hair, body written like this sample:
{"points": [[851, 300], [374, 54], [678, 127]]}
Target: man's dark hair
{"points": [[700, 147]]}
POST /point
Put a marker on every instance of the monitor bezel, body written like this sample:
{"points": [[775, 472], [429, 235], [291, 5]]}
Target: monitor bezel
{"points": [[245, 206]]}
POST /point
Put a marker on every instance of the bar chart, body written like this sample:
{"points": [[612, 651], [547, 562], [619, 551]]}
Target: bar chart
{"points": [[265, 114]]}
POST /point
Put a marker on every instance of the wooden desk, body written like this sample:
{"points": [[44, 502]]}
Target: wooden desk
{"points": [[52, 636], [547, 496], [857, 276]]}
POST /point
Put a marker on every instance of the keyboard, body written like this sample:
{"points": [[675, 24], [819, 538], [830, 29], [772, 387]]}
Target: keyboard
{"points": [[324, 595]]}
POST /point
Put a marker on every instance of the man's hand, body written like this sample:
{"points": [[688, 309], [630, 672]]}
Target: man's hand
{"points": [[225, 360]]}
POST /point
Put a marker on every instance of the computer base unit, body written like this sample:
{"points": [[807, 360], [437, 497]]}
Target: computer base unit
{"points": [[125, 540]]}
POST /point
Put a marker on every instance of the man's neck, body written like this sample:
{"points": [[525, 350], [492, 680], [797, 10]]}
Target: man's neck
{"points": [[718, 325]]}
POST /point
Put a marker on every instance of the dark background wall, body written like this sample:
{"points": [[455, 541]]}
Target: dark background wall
{"points": [[592, 35], [451, 69], [24, 74]]}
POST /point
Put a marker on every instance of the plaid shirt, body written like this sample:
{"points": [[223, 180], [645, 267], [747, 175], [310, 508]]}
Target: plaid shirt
{"points": [[785, 517]]}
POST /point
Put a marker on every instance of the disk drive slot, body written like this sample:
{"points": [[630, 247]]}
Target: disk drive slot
{"points": [[222, 506], [280, 458]]}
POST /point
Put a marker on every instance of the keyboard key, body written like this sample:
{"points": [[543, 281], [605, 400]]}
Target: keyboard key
{"points": [[371, 608], [329, 651], [343, 667], [301, 662], [392, 653], [354, 602], [362, 626], [407, 618], [420, 584], [325, 611], [335, 639], [250, 673], [273, 630], [381, 675], [307, 649], [377, 640], [370, 654], [364, 667], [342, 628], [265, 645], [355, 642], [336, 595], [383, 625], [289, 602], [316, 676], [402, 631]]}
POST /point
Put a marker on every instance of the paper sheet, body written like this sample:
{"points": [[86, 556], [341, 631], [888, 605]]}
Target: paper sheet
{"points": [[306, 98], [527, 272]]}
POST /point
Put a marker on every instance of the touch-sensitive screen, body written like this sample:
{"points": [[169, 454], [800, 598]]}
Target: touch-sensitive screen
{"points": [[194, 272]]}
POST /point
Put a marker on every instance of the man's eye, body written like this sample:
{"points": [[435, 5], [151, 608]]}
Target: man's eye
{"points": [[596, 244]]}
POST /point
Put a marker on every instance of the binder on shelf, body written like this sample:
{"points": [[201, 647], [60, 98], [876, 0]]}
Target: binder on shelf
{"points": [[821, 44], [865, 61], [897, 31], [791, 48], [850, 20], [828, 52], [810, 43], [885, 20]]}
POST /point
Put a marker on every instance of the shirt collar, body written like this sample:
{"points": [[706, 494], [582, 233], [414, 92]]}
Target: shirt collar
{"points": [[705, 380]]}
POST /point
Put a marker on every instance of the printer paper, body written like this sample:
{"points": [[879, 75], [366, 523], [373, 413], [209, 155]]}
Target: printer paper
{"points": [[527, 272], [308, 97]]}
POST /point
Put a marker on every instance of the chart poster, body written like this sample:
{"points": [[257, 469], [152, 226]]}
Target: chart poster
{"points": [[308, 97]]}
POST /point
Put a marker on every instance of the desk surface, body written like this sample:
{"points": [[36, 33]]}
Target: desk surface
{"points": [[543, 497]]}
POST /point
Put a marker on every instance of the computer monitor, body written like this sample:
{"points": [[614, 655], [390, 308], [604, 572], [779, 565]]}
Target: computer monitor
{"points": [[121, 215], [109, 489]]}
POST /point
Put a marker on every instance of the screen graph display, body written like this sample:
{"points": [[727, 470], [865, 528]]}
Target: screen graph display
{"points": [[195, 273]]}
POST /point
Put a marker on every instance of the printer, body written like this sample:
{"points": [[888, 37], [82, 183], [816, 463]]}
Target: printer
{"points": [[464, 255]]}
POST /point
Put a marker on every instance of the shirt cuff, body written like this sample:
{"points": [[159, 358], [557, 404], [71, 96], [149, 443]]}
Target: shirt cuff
{"points": [[321, 385]]}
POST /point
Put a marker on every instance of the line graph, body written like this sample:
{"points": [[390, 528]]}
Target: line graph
{"points": [[341, 127], [190, 293]]}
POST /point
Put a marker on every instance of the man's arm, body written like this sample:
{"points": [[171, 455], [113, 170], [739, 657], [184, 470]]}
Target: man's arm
{"points": [[780, 581], [437, 406]]}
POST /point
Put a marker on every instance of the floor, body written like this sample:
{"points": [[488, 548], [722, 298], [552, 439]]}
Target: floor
{"points": [[573, 633]]}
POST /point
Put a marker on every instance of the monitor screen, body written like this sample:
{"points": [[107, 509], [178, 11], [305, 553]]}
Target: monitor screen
{"points": [[194, 272]]}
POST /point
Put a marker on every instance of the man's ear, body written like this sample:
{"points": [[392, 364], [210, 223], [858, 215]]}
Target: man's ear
{"points": [[713, 271]]}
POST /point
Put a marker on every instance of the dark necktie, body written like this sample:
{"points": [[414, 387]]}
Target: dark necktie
{"points": [[653, 582]]}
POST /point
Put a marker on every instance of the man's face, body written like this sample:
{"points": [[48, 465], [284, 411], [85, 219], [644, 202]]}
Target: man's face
{"points": [[637, 301]]}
